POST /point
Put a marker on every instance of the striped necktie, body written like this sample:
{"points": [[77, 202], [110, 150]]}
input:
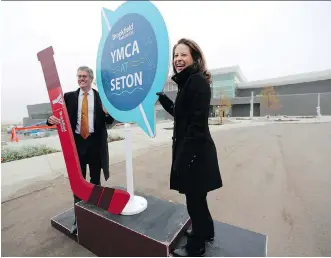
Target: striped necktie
{"points": [[84, 127]]}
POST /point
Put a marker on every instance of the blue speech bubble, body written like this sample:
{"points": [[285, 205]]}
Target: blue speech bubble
{"points": [[132, 62]]}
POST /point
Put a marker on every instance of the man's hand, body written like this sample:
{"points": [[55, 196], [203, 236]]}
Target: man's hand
{"points": [[53, 120]]}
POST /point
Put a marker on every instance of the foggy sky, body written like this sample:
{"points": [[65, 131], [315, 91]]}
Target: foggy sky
{"points": [[266, 39]]}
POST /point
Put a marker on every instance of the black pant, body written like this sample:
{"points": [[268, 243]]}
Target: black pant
{"points": [[89, 153], [202, 222]]}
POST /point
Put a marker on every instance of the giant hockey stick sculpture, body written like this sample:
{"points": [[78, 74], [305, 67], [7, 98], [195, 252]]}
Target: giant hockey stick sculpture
{"points": [[113, 200]]}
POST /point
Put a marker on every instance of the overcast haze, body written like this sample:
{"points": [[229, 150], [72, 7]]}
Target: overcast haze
{"points": [[266, 39]]}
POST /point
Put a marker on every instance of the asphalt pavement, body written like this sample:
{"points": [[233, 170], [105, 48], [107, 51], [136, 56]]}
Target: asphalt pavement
{"points": [[276, 177]]}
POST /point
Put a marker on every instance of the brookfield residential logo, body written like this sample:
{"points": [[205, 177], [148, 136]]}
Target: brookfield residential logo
{"points": [[58, 100], [124, 33]]}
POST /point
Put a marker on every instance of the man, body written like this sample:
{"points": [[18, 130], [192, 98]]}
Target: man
{"points": [[88, 120]]}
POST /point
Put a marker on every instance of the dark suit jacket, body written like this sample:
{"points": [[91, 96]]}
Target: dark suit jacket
{"points": [[195, 164], [100, 120]]}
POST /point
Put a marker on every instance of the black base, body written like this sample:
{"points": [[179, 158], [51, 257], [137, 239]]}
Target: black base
{"points": [[157, 231], [153, 232], [231, 241], [63, 222]]}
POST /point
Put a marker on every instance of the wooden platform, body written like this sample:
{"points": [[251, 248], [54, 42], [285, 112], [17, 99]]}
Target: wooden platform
{"points": [[231, 241], [155, 232], [63, 222]]}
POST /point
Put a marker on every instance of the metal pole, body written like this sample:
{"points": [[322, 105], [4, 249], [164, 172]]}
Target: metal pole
{"points": [[251, 109], [128, 154], [318, 108]]}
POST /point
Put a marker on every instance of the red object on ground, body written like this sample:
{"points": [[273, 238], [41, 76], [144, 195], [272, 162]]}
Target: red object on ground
{"points": [[14, 135], [14, 129], [82, 189]]}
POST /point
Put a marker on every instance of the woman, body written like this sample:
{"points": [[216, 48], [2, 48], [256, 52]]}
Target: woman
{"points": [[195, 169]]}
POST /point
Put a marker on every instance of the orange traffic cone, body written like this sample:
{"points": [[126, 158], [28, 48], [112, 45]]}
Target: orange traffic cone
{"points": [[13, 135]]}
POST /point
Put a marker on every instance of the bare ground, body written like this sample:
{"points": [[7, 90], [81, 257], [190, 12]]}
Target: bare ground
{"points": [[276, 181]]}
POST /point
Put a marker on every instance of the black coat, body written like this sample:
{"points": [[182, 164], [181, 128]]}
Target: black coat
{"points": [[194, 157], [100, 120]]}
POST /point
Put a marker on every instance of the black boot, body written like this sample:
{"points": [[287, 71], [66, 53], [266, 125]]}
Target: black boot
{"points": [[193, 248], [189, 233], [73, 229], [184, 252]]}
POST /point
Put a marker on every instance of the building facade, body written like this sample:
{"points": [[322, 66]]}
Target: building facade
{"points": [[37, 113], [225, 80], [295, 95], [224, 85]]}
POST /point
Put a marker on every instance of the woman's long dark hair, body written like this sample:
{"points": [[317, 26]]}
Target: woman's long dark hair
{"points": [[198, 57]]}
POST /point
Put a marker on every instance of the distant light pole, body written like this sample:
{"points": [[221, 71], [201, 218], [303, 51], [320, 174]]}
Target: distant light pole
{"points": [[251, 109], [318, 108]]}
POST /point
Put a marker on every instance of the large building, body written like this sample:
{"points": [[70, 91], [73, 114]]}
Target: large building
{"points": [[224, 83], [37, 113], [293, 95], [296, 95]]}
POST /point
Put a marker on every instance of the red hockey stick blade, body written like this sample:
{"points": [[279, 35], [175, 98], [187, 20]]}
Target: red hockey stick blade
{"points": [[118, 202]]}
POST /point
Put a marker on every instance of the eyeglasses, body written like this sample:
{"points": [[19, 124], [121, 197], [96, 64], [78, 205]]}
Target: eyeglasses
{"points": [[82, 76]]}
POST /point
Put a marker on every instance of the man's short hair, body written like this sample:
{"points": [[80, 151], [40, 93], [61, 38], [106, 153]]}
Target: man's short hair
{"points": [[86, 69]]}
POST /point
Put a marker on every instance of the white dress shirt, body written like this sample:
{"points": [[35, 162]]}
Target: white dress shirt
{"points": [[90, 100]]}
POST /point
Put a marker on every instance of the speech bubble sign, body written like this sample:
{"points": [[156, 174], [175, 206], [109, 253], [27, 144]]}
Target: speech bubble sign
{"points": [[132, 62]]}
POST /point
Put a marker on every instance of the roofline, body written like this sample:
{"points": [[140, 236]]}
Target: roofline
{"points": [[234, 69], [290, 79]]}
